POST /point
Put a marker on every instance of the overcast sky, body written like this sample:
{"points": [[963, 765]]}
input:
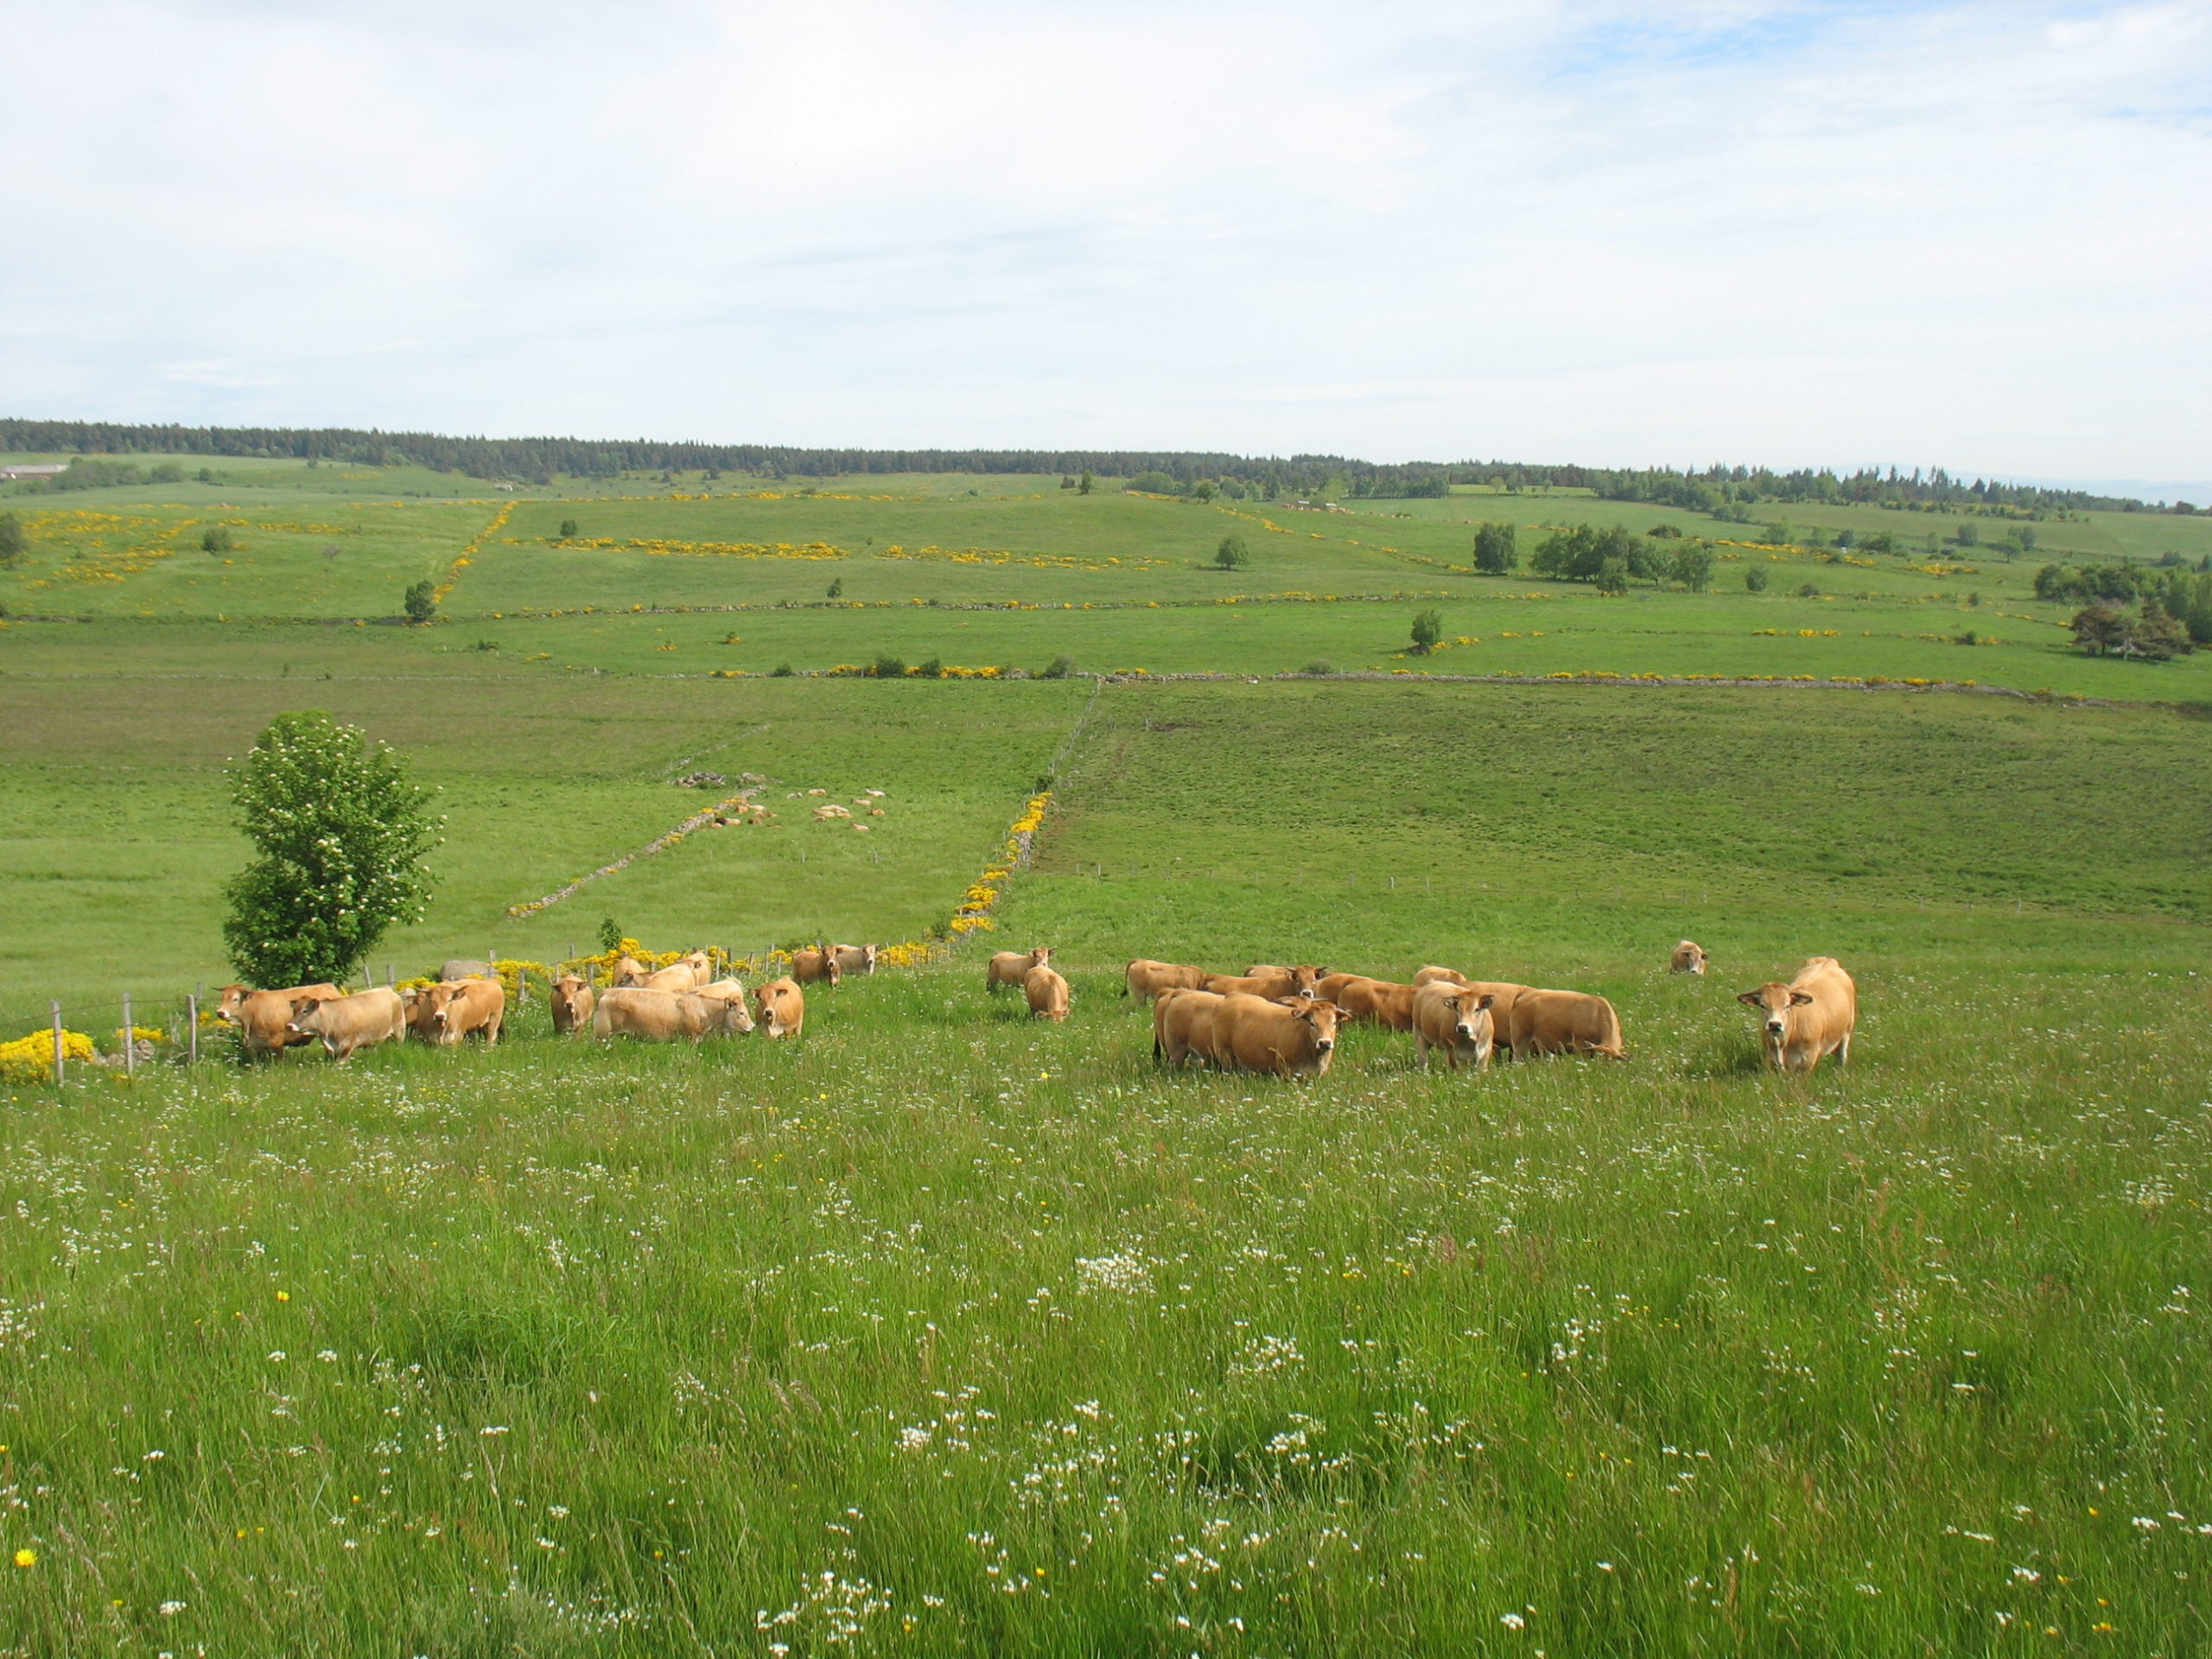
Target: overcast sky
{"points": [[1972, 235]]}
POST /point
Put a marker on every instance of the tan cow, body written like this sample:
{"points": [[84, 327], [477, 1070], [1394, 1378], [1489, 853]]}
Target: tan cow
{"points": [[1563, 1022], [1267, 981], [264, 1018], [1182, 1026], [628, 970], [1147, 979], [782, 1007], [653, 1016], [700, 964], [1432, 974], [346, 1023], [678, 976], [1297, 1039], [1503, 994], [1047, 993], [420, 1007], [730, 991], [572, 1005], [854, 958], [1688, 958], [1456, 1019], [1385, 1002], [466, 1007], [1302, 979], [463, 970], [816, 965], [1011, 966], [1810, 1018]]}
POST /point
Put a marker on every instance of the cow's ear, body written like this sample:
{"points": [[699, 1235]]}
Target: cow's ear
{"points": [[1749, 999], [1799, 999]]}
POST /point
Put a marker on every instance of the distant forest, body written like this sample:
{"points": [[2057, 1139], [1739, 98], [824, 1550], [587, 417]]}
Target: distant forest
{"points": [[1727, 492]]}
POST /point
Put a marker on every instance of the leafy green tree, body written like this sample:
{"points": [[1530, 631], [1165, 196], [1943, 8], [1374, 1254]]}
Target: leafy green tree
{"points": [[2157, 635], [1232, 554], [1428, 628], [217, 538], [421, 600], [341, 832], [1154, 484], [12, 540], [2098, 629], [1496, 549], [1612, 574], [610, 934], [1969, 534], [837, 587], [1755, 579], [1694, 566], [1083, 485], [569, 534]]}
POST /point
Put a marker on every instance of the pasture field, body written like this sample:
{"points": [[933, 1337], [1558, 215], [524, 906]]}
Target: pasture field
{"points": [[940, 1331]]}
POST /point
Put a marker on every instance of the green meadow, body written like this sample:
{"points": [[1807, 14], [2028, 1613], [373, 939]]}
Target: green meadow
{"points": [[941, 1330]]}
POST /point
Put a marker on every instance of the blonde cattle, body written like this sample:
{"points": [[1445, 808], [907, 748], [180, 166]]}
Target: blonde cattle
{"points": [[1265, 980], [1292, 1039], [420, 1007], [1563, 1022], [1688, 958], [854, 958], [467, 1007], [1011, 966], [1503, 994], [628, 970], [1047, 993], [264, 1018], [1382, 1001], [1148, 978], [344, 1024], [783, 1007], [1455, 1020], [653, 1016], [572, 1005], [1810, 1018], [730, 991], [815, 966], [1182, 1026]]}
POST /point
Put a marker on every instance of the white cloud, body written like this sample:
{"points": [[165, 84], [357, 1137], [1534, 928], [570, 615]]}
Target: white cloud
{"points": [[1972, 234]]}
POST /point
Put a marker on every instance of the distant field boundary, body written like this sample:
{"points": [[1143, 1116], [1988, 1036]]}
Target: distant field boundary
{"points": [[1602, 677]]}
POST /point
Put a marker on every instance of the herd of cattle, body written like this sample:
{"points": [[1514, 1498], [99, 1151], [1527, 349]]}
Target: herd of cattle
{"points": [[1279, 1021]]}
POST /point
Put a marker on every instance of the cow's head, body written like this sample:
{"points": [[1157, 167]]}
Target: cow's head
{"points": [[227, 1009], [1040, 956], [568, 994], [303, 1009], [1470, 1020], [1321, 1016], [1306, 976], [1773, 1001], [734, 1017]]}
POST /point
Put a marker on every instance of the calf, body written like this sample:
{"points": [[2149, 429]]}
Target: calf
{"points": [[1456, 1019], [1563, 1022], [1047, 993], [1296, 1039], [1810, 1018], [782, 1007], [572, 1004], [1182, 1026], [346, 1023], [1011, 966]]}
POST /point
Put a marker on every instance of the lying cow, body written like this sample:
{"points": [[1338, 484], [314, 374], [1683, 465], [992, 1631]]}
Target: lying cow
{"points": [[344, 1024], [1563, 1022], [263, 1019], [1011, 966], [1455, 1020], [572, 1005], [653, 1016], [816, 965], [467, 1007], [1688, 958], [729, 991], [1149, 979], [783, 1007], [1293, 1039], [1047, 993], [1810, 1018], [1182, 1026], [854, 958]]}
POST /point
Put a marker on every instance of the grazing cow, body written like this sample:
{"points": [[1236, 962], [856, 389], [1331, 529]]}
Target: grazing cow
{"points": [[572, 1003], [854, 958], [1302, 979], [1456, 1020], [1148, 978], [463, 1006], [677, 976], [264, 1018], [1563, 1022], [816, 965], [661, 1016], [1382, 1001], [729, 991], [1182, 1026], [628, 970], [346, 1023], [1011, 966], [1047, 993], [460, 969], [1808, 1019], [783, 1005], [1296, 1039], [1264, 981], [1688, 958]]}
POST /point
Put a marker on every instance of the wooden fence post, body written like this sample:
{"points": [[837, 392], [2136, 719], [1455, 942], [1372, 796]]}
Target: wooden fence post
{"points": [[129, 1040], [191, 1027], [58, 1071]]}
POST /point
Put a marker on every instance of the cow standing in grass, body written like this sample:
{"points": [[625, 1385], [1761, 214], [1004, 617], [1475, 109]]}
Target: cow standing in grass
{"points": [[1011, 966], [1813, 1016]]}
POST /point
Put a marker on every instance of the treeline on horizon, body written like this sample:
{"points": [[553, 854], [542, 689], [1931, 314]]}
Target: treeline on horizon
{"points": [[1728, 491]]}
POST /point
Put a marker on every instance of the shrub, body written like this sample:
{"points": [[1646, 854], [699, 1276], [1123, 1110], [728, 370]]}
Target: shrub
{"points": [[421, 600], [1058, 668], [836, 588], [1083, 485], [1318, 665], [781, 672], [217, 538], [1154, 484], [568, 530], [12, 540], [888, 667], [1664, 531], [1496, 551], [1232, 554], [933, 670], [1428, 628], [1810, 590], [168, 473], [341, 833], [1969, 534], [1755, 579], [610, 934]]}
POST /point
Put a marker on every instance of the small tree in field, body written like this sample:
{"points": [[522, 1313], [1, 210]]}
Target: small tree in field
{"points": [[1428, 628], [837, 587], [1232, 554], [1496, 551], [1755, 579], [421, 600], [341, 833], [1694, 566], [11, 538], [568, 530]]}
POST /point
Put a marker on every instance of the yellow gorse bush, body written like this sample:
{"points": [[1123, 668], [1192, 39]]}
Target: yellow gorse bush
{"points": [[30, 1058]]}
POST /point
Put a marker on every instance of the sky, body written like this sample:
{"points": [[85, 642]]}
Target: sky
{"points": [[1971, 235]]}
